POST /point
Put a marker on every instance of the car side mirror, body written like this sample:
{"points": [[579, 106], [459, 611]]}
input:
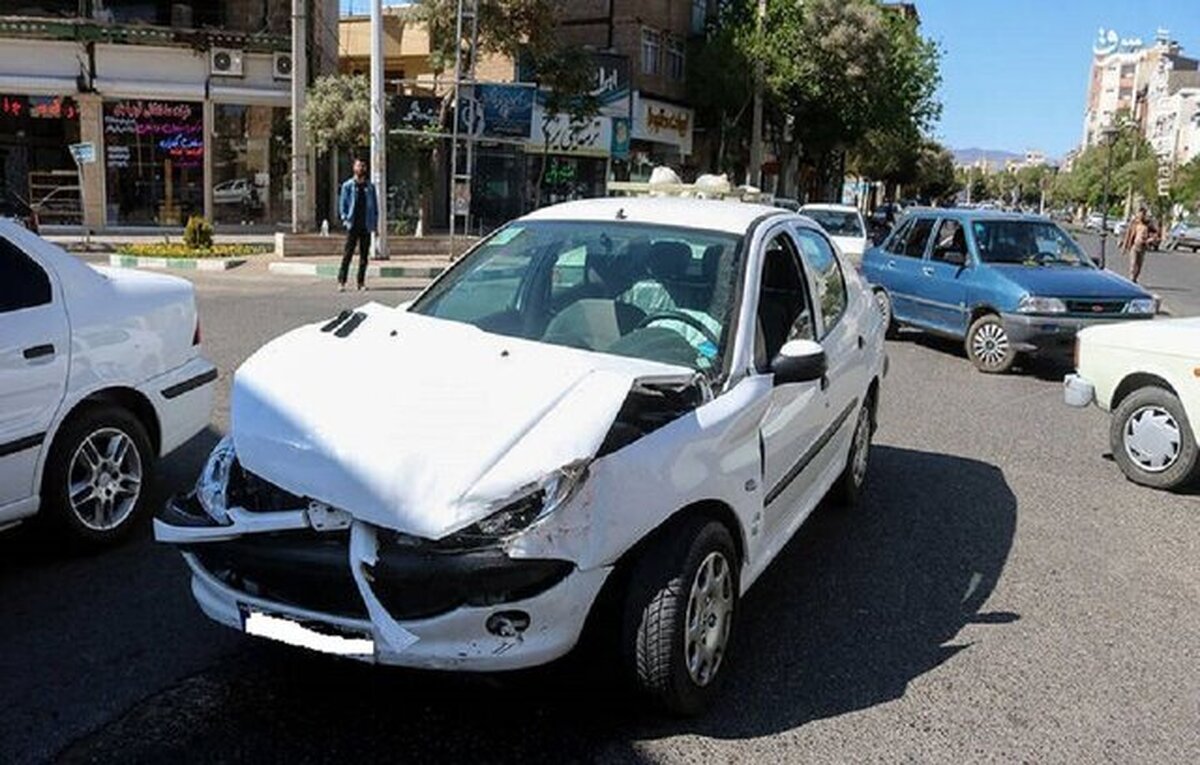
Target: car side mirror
{"points": [[799, 361]]}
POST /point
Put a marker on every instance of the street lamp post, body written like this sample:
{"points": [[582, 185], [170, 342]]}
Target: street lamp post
{"points": [[1109, 134]]}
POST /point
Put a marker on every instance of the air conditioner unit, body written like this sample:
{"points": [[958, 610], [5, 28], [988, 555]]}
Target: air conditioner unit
{"points": [[226, 62], [282, 66]]}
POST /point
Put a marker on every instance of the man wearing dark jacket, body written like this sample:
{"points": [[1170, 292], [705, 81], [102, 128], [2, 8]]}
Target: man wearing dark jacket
{"points": [[359, 212]]}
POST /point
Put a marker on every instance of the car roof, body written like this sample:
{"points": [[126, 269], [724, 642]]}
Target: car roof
{"points": [[705, 214], [829, 206], [969, 214]]}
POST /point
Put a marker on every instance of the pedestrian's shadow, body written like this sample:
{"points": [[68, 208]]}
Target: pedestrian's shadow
{"points": [[858, 605]]}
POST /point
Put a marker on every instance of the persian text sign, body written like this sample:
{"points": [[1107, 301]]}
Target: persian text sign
{"points": [[661, 122], [590, 137]]}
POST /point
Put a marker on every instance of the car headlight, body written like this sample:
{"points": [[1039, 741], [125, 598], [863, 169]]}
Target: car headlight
{"points": [[213, 482], [1035, 304], [1142, 306], [516, 515]]}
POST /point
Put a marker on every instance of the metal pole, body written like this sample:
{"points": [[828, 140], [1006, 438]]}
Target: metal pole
{"points": [[378, 128], [471, 136], [299, 136], [1104, 215], [454, 117]]}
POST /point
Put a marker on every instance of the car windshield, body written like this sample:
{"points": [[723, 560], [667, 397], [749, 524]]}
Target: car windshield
{"points": [[646, 291], [1028, 243], [836, 222]]}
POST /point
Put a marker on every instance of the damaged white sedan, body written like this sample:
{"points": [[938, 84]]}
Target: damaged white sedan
{"points": [[617, 408]]}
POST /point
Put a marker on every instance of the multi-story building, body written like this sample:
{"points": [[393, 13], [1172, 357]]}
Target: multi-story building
{"points": [[1129, 79], [185, 105]]}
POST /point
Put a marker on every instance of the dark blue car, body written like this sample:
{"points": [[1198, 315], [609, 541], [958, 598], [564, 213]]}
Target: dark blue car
{"points": [[1003, 283]]}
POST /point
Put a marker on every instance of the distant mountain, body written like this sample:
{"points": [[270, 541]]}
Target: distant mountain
{"points": [[994, 157]]}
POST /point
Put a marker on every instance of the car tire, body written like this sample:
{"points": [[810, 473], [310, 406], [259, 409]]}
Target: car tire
{"points": [[848, 489], [680, 606], [1152, 440], [883, 301], [102, 451], [988, 345]]}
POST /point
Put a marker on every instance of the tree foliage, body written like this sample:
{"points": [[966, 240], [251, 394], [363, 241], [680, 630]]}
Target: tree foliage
{"points": [[337, 112], [1134, 168]]}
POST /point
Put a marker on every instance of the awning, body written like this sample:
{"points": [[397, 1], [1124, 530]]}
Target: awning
{"points": [[30, 85], [235, 94], [149, 89]]}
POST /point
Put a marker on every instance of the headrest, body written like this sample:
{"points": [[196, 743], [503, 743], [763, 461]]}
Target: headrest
{"points": [[669, 260]]}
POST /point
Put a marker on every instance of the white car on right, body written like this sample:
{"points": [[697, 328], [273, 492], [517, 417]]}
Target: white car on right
{"points": [[1147, 374], [845, 226]]}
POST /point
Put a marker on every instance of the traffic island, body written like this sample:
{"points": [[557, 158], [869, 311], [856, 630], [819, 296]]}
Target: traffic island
{"points": [[181, 264], [329, 270]]}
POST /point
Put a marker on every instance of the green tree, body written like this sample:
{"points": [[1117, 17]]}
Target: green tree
{"points": [[1185, 186], [337, 112], [934, 178]]}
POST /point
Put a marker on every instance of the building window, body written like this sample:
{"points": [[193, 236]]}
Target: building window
{"points": [[34, 162], [250, 150], [154, 157], [675, 58], [699, 16], [651, 48]]}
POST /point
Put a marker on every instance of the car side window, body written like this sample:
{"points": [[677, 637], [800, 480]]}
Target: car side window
{"points": [[827, 272], [784, 308], [916, 238], [951, 238], [895, 242], [25, 284]]}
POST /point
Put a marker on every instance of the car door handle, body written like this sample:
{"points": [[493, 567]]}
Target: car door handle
{"points": [[927, 270], [890, 264], [38, 351]]}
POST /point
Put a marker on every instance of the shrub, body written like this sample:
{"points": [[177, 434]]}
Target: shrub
{"points": [[198, 234], [179, 250]]}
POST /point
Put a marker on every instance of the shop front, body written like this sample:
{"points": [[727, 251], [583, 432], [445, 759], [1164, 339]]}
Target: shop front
{"points": [[154, 161], [661, 135], [251, 150], [569, 159], [36, 168]]}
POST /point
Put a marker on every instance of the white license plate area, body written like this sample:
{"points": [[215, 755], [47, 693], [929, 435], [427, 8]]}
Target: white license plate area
{"points": [[292, 632]]}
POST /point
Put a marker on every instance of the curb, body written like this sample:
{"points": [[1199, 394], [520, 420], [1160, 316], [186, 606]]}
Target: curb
{"points": [[180, 264], [330, 271]]}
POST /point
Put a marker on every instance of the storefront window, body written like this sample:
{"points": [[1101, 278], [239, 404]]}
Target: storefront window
{"points": [[154, 155], [35, 166], [567, 178], [250, 150]]}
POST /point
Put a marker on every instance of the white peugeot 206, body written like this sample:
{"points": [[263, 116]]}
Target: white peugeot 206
{"points": [[624, 406]]}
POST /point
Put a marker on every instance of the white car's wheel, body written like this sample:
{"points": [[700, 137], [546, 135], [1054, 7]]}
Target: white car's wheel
{"points": [[1152, 440], [97, 476], [849, 487], [884, 303], [679, 615]]}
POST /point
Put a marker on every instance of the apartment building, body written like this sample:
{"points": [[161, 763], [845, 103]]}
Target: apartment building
{"points": [[185, 105]]}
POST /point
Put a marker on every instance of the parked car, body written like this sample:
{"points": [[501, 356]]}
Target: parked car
{"points": [[635, 439], [101, 373], [233, 192], [1148, 377], [1183, 236], [844, 224], [1095, 222], [1003, 283], [62, 205]]}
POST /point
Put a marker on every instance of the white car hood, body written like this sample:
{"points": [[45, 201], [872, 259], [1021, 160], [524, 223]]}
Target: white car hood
{"points": [[420, 424], [850, 245]]}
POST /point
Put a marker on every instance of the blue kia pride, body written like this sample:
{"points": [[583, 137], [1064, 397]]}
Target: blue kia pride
{"points": [[1003, 283]]}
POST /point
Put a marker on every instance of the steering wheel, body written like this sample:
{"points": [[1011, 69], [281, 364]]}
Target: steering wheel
{"points": [[686, 318]]}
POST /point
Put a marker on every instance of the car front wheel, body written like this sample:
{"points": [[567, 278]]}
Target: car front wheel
{"points": [[988, 345], [1152, 440], [679, 615], [97, 475]]}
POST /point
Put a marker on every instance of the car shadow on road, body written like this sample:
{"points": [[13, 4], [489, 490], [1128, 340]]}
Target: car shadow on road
{"points": [[858, 605]]}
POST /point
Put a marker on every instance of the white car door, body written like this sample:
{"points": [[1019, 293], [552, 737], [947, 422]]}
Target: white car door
{"points": [[842, 337], [798, 413], [34, 349]]}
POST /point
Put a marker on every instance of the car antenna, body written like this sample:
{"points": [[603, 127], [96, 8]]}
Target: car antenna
{"points": [[621, 213]]}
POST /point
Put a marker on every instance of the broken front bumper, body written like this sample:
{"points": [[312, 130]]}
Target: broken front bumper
{"points": [[373, 595]]}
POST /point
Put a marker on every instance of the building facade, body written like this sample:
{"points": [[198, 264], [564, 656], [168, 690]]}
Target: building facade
{"points": [[185, 107]]}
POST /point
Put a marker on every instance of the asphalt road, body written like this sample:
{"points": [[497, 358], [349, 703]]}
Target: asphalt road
{"points": [[1003, 595]]}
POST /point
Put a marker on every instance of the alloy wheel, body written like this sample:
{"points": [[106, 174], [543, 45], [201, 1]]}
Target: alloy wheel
{"points": [[990, 344], [1152, 439], [104, 480], [862, 447], [709, 618]]}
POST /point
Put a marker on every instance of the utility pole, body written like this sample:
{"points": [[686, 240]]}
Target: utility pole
{"points": [[299, 167], [378, 129], [756, 144]]}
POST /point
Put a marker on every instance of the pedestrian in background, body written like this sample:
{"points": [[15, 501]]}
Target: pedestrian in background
{"points": [[359, 212], [1140, 235]]}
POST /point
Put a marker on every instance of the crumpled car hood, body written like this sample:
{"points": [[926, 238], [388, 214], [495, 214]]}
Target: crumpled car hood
{"points": [[420, 424]]}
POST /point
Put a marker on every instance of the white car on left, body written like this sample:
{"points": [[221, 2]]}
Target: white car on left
{"points": [[101, 373]]}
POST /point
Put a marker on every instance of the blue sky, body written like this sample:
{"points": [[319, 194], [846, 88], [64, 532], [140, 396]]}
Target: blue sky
{"points": [[1015, 72]]}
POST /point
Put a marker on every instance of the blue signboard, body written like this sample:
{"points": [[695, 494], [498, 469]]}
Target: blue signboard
{"points": [[497, 111]]}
